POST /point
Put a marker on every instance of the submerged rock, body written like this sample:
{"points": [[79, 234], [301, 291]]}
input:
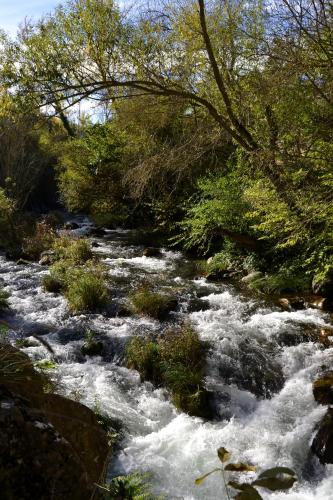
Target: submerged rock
{"points": [[98, 232], [322, 444], [94, 348], [323, 389], [152, 252], [222, 275], [70, 226], [292, 303]]}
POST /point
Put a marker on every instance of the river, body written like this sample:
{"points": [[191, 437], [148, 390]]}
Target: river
{"points": [[261, 365]]}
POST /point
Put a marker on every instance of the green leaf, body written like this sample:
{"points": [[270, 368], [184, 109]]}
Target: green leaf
{"points": [[248, 493], [223, 454], [201, 479], [275, 483], [276, 471], [240, 467]]}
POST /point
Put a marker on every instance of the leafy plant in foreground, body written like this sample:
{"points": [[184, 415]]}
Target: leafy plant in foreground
{"points": [[134, 486], [274, 479]]}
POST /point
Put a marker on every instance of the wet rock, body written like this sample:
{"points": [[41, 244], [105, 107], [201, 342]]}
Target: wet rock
{"points": [[35, 460], [292, 338], [196, 304], [70, 226], [324, 287], [321, 303], [76, 446], [80, 427], [292, 303], [322, 444], [152, 252], [223, 275], [94, 348], [47, 258], [254, 369], [326, 337], [252, 276], [99, 232], [323, 389], [23, 262], [95, 244]]}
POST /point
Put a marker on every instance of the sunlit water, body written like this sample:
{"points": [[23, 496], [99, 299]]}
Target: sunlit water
{"points": [[262, 385]]}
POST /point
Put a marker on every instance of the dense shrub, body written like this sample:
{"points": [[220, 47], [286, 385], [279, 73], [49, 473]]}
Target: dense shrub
{"points": [[287, 280], [42, 239], [153, 304], [174, 360], [78, 251], [51, 284]]}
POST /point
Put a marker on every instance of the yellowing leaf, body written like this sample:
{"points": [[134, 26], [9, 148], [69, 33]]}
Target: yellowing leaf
{"points": [[201, 479], [240, 467], [223, 454]]}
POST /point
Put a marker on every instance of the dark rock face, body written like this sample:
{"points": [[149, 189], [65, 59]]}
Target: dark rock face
{"points": [[98, 232], [35, 460], [51, 446], [322, 444], [221, 275], [70, 226], [323, 389], [152, 252], [325, 286]]}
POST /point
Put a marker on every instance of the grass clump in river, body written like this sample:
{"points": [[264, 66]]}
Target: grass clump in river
{"points": [[148, 303], [4, 296], [84, 286], [174, 360], [77, 251], [87, 291]]}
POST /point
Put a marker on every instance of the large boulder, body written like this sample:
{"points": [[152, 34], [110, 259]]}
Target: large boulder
{"points": [[322, 444], [323, 389], [61, 439], [35, 460], [324, 287], [79, 426]]}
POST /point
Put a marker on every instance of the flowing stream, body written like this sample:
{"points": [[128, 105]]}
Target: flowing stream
{"points": [[261, 365]]}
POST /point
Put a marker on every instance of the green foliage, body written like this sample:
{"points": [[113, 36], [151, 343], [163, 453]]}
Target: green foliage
{"points": [[274, 479], [51, 284], [42, 239], [220, 205], [288, 279], [77, 251], [143, 355], [90, 174], [174, 360], [134, 486], [153, 304], [45, 365], [86, 291]]}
